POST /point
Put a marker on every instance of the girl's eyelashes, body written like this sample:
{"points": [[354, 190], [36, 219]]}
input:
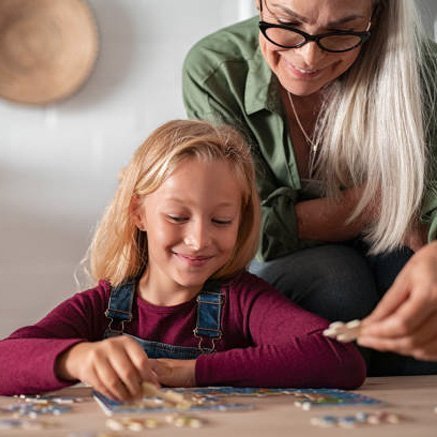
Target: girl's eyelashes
{"points": [[177, 218], [222, 222], [182, 219]]}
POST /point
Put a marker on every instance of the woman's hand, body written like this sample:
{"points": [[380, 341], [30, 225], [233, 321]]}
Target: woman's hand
{"points": [[405, 321], [115, 367], [174, 373]]}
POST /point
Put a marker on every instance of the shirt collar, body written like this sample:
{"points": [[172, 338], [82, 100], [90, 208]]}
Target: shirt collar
{"points": [[262, 86]]}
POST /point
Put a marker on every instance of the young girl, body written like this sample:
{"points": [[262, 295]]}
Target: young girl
{"points": [[174, 305]]}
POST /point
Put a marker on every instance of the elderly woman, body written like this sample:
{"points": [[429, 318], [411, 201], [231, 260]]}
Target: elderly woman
{"points": [[337, 98]]}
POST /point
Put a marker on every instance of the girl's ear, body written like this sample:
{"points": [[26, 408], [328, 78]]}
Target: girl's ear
{"points": [[137, 213]]}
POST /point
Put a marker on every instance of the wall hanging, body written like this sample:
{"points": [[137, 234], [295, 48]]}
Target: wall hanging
{"points": [[47, 49]]}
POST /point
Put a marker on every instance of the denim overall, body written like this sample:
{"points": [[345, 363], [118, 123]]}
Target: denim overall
{"points": [[207, 329]]}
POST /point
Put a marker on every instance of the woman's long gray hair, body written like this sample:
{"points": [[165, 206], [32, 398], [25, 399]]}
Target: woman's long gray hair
{"points": [[375, 126]]}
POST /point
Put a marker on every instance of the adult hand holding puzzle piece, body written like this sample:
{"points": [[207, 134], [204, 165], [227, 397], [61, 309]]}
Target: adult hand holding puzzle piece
{"points": [[405, 321]]}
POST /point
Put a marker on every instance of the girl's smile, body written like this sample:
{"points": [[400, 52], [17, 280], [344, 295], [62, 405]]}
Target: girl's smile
{"points": [[192, 260]]}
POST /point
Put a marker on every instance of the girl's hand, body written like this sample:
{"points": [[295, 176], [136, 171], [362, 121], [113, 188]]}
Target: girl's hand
{"points": [[115, 367], [174, 373], [405, 321]]}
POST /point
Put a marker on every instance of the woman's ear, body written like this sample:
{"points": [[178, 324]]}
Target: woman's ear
{"points": [[136, 212]]}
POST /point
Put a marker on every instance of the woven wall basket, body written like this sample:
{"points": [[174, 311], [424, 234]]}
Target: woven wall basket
{"points": [[47, 49]]}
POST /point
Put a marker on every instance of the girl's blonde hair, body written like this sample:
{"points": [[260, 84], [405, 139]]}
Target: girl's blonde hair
{"points": [[119, 249], [375, 124]]}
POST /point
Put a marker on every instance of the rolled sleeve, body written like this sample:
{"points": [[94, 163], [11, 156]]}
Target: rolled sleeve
{"points": [[278, 229], [429, 210]]}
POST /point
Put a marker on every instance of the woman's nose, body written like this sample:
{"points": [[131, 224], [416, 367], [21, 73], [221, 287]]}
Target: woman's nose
{"points": [[311, 53]]}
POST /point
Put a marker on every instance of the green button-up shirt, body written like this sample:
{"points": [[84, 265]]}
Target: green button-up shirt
{"points": [[226, 79]]}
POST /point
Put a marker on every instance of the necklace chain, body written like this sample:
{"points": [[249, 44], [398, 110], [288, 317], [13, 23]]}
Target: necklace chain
{"points": [[313, 146]]}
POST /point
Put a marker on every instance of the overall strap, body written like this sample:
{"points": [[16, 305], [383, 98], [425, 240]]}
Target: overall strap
{"points": [[119, 309], [209, 311]]}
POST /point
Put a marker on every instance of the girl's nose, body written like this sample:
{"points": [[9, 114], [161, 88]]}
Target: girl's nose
{"points": [[197, 235]]}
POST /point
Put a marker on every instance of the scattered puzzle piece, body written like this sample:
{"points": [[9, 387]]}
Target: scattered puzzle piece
{"points": [[131, 424], [24, 424], [356, 420], [171, 397], [344, 332], [185, 421], [34, 409]]}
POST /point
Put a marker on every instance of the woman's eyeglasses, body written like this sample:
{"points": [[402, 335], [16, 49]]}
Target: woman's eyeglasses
{"points": [[289, 37]]}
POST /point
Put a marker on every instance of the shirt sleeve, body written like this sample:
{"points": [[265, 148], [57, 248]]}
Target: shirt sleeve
{"points": [[210, 98], [28, 356], [288, 350], [429, 210], [429, 204]]}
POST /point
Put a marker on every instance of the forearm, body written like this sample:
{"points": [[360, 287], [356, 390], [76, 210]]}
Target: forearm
{"points": [[311, 361], [27, 366], [68, 362], [326, 219]]}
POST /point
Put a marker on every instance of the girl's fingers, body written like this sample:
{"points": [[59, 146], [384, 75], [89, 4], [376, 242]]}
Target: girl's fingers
{"points": [[127, 373], [99, 386], [131, 364], [143, 365], [111, 380]]}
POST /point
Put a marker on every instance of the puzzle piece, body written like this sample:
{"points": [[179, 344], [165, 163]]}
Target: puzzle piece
{"points": [[132, 424], [309, 398], [24, 424], [32, 409], [356, 420], [173, 398], [184, 421], [343, 332]]}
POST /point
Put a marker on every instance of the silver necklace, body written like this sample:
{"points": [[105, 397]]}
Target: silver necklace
{"points": [[313, 146]]}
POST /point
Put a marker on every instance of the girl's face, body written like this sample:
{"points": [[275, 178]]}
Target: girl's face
{"points": [[192, 223], [306, 70]]}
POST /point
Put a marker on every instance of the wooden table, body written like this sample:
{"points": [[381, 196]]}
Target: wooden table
{"points": [[414, 397]]}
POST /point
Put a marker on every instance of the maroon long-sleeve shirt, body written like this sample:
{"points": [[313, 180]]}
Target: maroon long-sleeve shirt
{"points": [[267, 341]]}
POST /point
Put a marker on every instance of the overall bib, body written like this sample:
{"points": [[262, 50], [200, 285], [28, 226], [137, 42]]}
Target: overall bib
{"points": [[207, 329]]}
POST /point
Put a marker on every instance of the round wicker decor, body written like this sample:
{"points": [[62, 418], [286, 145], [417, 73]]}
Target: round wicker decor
{"points": [[47, 49]]}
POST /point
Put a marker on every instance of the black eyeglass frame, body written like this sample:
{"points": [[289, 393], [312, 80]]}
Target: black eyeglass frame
{"points": [[264, 26]]}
